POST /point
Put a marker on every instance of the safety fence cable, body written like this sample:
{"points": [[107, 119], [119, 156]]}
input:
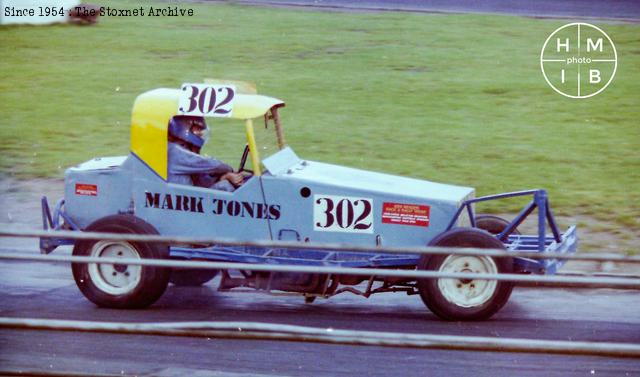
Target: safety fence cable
{"points": [[20, 233], [613, 282]]}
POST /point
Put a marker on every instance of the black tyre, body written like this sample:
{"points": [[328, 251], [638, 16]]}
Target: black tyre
{"points": [[493, 224], [466, 300], [121, 286], [191, 278]]}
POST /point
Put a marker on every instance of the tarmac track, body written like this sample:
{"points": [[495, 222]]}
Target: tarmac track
{"points": [[29, 290]]}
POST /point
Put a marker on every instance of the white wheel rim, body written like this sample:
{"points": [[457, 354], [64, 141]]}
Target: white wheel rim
{"points": [[115, 279], [468, 293]]}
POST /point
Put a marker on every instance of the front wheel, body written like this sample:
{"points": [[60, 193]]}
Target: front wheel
{"points": [[121, 286], [465, 299]]}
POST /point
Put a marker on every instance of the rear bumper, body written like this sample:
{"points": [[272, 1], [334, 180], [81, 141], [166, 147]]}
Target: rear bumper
{"points": [[568, 244]]}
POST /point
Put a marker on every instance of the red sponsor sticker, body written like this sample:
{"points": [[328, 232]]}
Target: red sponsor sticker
{"points": [[405, 214], [86, 189]]}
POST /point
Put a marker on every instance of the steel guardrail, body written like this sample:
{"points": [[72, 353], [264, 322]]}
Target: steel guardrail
{"points": [[279, 332]]}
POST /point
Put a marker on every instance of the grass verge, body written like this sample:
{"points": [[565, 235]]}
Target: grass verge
{"points": [[451, 98]]}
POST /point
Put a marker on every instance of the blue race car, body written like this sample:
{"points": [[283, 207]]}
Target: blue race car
{"points": [[285, 198]]}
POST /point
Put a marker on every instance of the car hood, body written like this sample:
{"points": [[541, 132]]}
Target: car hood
{"points": [[286, 163]]}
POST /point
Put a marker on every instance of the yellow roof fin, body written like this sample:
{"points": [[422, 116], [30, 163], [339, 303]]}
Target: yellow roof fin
{"points": [[152, 111]]}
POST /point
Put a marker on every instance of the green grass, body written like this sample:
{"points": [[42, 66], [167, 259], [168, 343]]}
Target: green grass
{"points": [[450, 98]]}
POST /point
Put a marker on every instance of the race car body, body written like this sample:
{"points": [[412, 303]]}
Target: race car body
{"points": [[285, 198]]}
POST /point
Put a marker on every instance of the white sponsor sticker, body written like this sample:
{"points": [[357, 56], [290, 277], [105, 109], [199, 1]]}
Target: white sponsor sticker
{"points": [[207, 100], [342, 214]]}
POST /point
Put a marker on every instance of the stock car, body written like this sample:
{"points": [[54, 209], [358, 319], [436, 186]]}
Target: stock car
{"points": [[285, 198]]}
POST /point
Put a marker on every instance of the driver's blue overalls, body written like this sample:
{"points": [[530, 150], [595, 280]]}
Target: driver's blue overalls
{"points": [[188, 168]]}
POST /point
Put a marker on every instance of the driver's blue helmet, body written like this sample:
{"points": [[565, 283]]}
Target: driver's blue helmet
{"points": [[181, 127]]}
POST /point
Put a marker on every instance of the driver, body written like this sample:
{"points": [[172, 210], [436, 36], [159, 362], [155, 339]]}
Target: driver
{"points": [[187, 135]]}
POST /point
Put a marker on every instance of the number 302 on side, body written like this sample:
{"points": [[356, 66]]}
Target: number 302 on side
{"points": [[342, 214]]}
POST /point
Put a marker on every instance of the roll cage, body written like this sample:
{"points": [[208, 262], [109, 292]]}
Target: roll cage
{"points": [[152, 111]]}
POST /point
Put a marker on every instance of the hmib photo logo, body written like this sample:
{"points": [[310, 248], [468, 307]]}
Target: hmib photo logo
{"points": [[578, 60]]}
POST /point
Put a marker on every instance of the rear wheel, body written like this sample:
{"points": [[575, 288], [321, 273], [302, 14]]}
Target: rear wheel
{"points": [[119, 285], [465, 299], [493, 224]]}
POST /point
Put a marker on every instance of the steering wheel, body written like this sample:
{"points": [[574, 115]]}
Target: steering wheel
{"points": [[243, 161]]}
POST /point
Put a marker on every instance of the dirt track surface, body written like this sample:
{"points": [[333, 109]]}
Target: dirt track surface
{"points": [[20, 209]]}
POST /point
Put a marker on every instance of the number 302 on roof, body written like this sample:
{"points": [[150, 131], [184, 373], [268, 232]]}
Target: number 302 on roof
{"points": [[207, 100]]}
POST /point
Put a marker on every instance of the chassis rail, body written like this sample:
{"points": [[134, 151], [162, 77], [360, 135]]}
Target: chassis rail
{"points": [[516, 244]]}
